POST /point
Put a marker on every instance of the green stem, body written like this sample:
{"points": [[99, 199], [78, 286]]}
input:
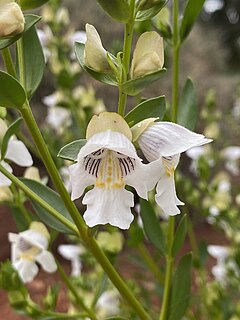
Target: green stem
{"points": [[74, 292], [169, 269], [128, 34], [21, 62], [39, 200], [151, 263], [8, 62], [176, 49], [170, 258]]}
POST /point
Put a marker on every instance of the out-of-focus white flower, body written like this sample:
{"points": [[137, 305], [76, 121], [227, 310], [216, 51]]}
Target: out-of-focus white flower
{"points": [[165, 141], [78, 36], [32, 173], [108, 304], [220, 253], [6, 194], [62, 16], [72, 253], [148, 55], [11, 18], [109, 162], [16, 152], [236, 109], [43, 36], [232, 156], [95, 56], [29, 248], [64, 172], [59, 118]]}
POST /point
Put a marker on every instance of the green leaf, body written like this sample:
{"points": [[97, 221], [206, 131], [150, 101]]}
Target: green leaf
{"points": [[151, 108], [152, 226], [33, 59], [181, 288], [70, 151], [30, 20], [21, 223], [52, 198], [116, 318], [191, 13], [135, 86], [187, 111], [143, 15], [31, 4], [12, 129], [12, 94], [179, 235], [106, 78], [117, 9]]}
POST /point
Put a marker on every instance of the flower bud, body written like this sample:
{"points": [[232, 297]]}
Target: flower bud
{"points": [[5, 195], [3, 129], [32, 173], [11, 19], [95, 56], [148, 55]]}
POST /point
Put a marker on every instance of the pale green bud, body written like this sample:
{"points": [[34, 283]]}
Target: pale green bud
{"points": [[111, 242], [95, 56], [148, 55], [11, 18], [3, 129], [5, 194], [32, 173], [3, 112]]}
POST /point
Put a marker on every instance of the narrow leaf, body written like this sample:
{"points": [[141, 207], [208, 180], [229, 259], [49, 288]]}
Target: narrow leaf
{"points": [[179, 235], [191, 13], [181, 289], [188, 112], [117, 9], [151, 108], [149, 13], [70, 151], [30, 20], [8, 86], [135, 86], [12, 129], [152, 226], [106, 78], [33, 60], [52, 198]]}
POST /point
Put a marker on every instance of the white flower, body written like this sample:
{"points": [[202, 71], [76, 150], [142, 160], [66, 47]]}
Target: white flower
{"points": [[108, 303], [44, 36], [232, 156], [11, 18], [166, 141], [16, 152], [29, 248], [59, 118], [148, 55], [78, 36], [109, 162], [72, 253]]}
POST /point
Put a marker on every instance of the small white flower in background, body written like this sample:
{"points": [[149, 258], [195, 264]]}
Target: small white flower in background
{"points": [[225, 263], [109, 162], [64, 172], [95, 56], [16, 152], [72, 253], [32, 173], [108, 303], [58, 117], [11, 18], [148, 55], [166, 141], [44, 36], [195, 154], [29, 248], [78, 36], [232, 156], [5, 195]]}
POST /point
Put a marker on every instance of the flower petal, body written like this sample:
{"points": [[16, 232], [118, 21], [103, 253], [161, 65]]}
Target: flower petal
{"points": [[4, 181], [18, 153], [167, 139], [26, 269], [46, 260], [79, 179], [108, 206], [108, 140]]}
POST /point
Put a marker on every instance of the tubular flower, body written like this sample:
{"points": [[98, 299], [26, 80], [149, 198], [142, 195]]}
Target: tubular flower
{"points": [[30, 247], [11, 18], [109, 162], [72, 252], [165, 141]]}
